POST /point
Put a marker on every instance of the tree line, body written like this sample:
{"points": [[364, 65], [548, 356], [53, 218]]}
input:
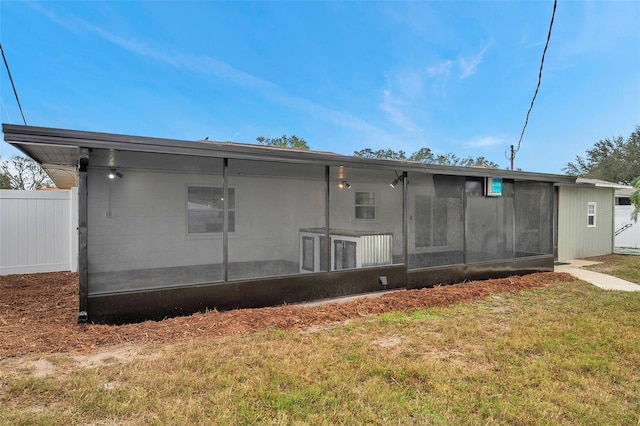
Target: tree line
{"points": [[424, 155], [427, 156], [614, 159]]}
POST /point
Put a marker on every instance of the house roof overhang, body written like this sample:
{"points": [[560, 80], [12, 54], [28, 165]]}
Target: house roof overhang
{"points": [[58, 151]]}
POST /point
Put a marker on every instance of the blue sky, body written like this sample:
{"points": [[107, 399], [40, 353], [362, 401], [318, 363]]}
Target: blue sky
{"points": [[453, 76]]}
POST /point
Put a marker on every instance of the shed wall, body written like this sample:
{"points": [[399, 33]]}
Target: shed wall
{"points": [[575, 238]]}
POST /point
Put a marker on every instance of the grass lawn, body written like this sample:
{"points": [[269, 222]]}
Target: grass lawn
{"points": [[626, 267], [565, 354]]}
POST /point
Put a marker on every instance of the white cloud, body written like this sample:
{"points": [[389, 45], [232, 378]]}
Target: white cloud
{"points": [[443, 68], [620, 19], [468, 65], [440, 72], [206, 65], [409, 82], [393, 107], [484, 142], [70, 24]]}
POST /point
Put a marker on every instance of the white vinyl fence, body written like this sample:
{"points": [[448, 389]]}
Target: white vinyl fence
{"points": [[38, 231], [630, 237]]}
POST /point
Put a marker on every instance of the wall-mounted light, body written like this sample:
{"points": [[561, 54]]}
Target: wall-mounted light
{"points": [[398, 179], [344, 184], [113, 173]]}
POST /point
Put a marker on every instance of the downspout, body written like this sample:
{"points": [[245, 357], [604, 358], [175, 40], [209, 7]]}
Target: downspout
{"points": [[83, 274]]}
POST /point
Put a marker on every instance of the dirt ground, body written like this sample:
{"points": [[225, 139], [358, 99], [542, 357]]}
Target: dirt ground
{"points": [[38, 314]]}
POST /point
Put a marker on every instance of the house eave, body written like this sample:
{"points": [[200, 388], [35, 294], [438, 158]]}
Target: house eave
{"points": [[44, 143]]}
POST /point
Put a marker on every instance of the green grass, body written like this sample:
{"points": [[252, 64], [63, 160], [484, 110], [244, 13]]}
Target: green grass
{"points": [[567, 354], [626, 267]]}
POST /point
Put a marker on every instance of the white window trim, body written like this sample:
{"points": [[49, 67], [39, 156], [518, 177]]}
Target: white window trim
{"points": [[198, 235], [375, 210], [590, 215]]}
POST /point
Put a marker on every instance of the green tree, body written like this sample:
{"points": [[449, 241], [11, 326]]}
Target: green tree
{"points": [[614, 160], [635, 199], [381, 154], [478, 162], [426, 156], [284, 142], [4, 181], [423, 155], [23, 173]]}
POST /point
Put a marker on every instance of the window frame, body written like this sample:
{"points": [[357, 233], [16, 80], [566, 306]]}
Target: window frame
{"points": [[373, 206], [591, 215], [231, 212]]}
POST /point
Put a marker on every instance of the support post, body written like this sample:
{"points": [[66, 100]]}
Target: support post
{"points": [[83, 272], [465, 215], [514, 227], [225, 220], [327, 224], [405, 227]]}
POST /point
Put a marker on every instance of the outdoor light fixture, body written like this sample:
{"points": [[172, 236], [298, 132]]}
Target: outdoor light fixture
{"points": [[344, 184], [398, 179], [113, 173]]}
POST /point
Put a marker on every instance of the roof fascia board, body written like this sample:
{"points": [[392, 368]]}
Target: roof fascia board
{"points": [[18, 134], [582, 185]]}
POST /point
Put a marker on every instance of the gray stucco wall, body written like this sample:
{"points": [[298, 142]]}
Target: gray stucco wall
{"points": [[139, 221]]}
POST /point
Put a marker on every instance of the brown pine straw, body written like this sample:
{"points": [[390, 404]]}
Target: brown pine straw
{"points": [[38, 313]]}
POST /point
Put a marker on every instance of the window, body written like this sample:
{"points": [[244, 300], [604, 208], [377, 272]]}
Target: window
{"points": [[344, 254], [591, 214], [308, 255], [365, 205], [205, 210], [431, 221]]}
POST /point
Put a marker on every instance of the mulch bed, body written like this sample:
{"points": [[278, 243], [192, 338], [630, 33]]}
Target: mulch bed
{"points": [[38, 313]]}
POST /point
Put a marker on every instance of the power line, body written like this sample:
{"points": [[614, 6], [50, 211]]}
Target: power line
{"points": [[526, 121], [5, 109], [12, 85]]}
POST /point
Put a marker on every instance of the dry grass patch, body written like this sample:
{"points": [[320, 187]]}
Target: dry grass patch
{"points": [[38, 314], [623, 266], [565, 354]]}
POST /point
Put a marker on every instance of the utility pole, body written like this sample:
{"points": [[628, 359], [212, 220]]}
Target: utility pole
{"points": [[512, 156]]}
